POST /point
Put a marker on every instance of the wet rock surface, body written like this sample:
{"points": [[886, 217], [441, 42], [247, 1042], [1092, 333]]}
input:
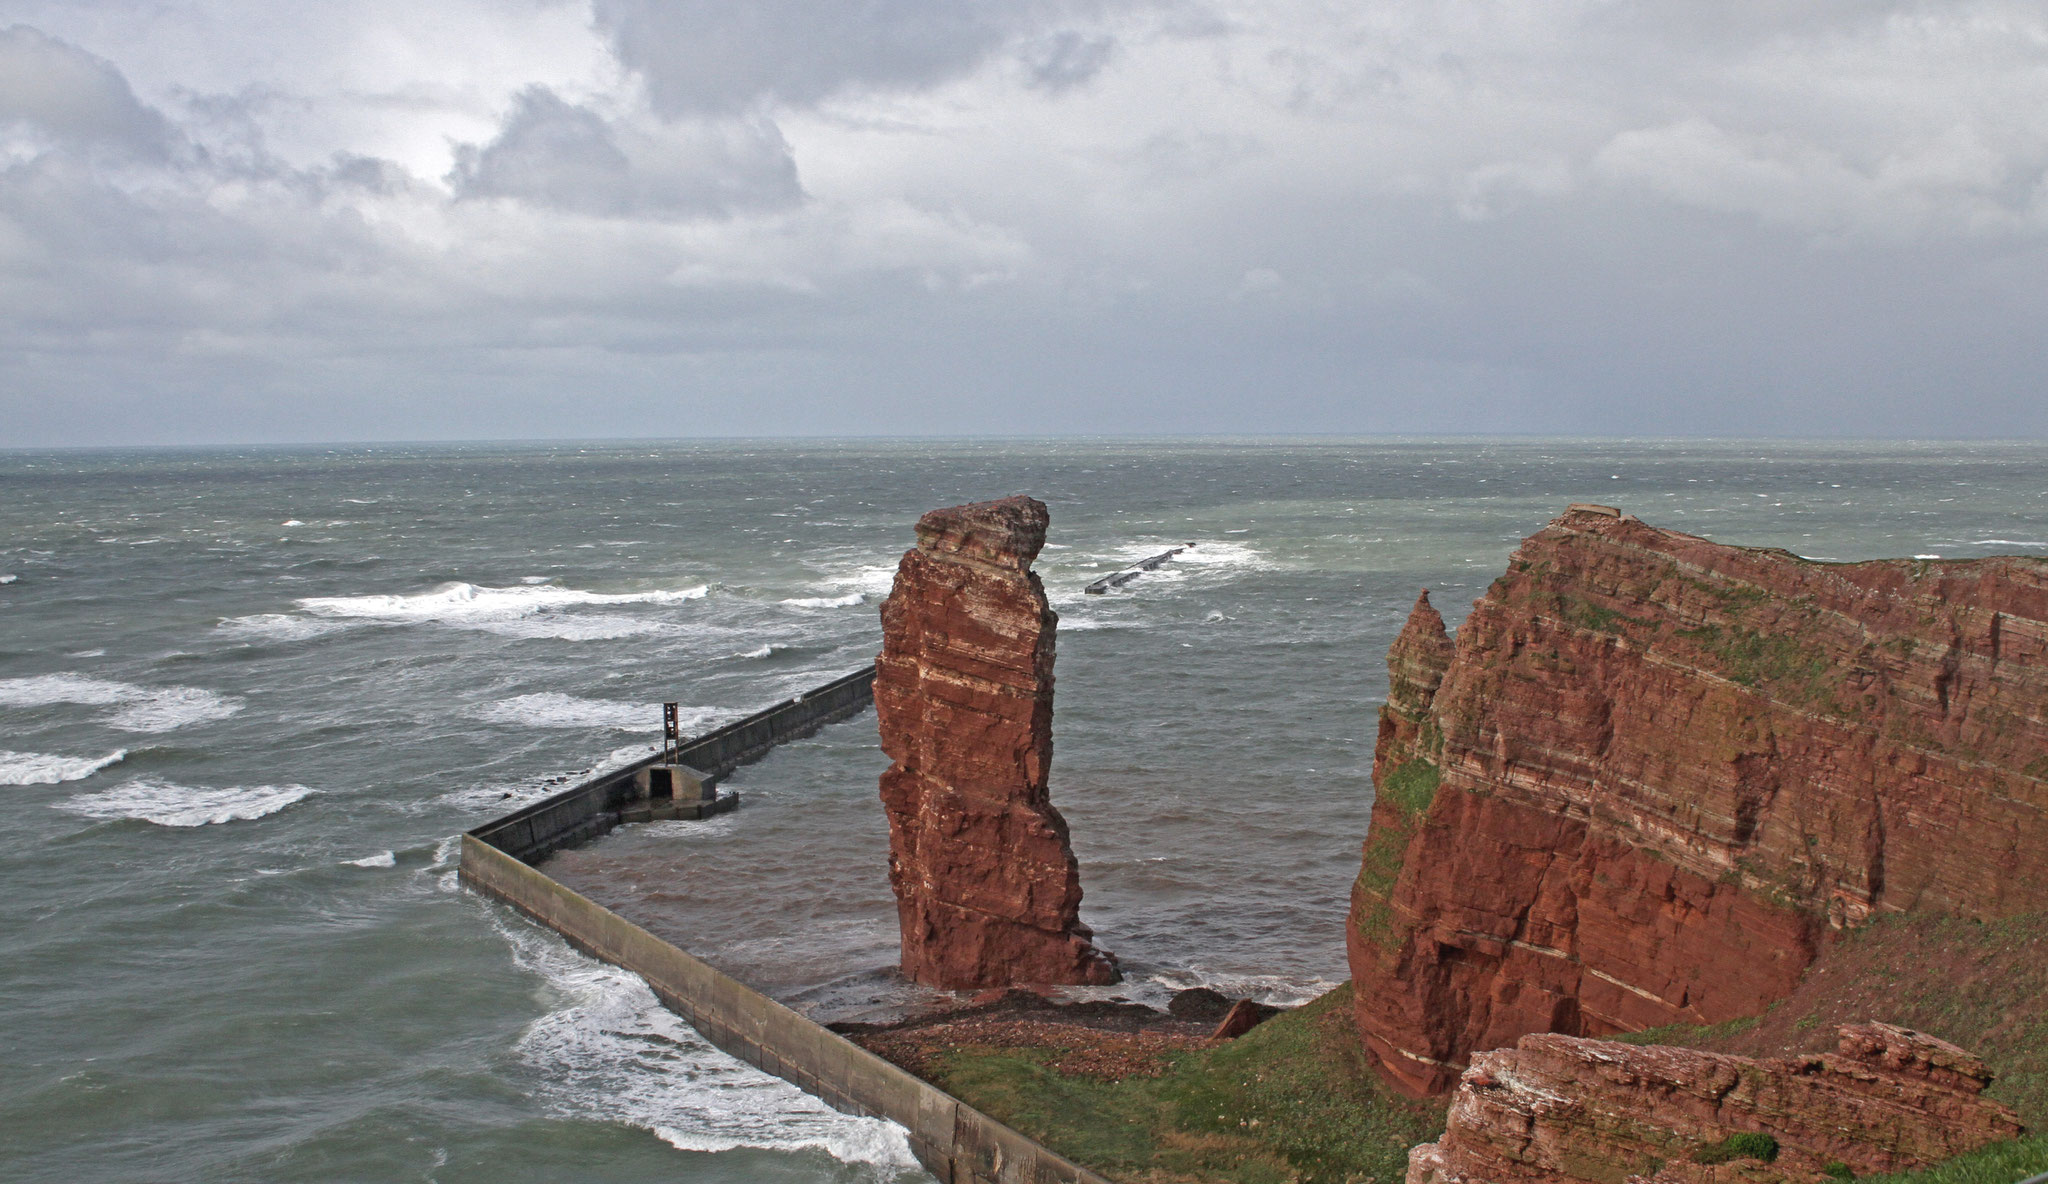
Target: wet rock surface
{"points": [[1654, 772], [988, 891]]}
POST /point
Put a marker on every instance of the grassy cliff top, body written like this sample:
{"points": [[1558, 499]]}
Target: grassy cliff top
{"points": [[1291, 1102]]}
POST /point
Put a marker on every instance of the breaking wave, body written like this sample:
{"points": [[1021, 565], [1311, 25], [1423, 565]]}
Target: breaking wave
{"points": [[611, 1052], [847, 601], [552, 709], [278, 627], [41, 768], [139, 709], [525, 610], [166, 803]]}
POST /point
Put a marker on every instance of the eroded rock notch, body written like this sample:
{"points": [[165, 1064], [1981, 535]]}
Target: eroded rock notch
{"points": [[987, 888]]}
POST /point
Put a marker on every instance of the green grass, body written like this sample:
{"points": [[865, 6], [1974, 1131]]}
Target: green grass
{"points": [[2000, 1163], [1688, 1035], [1291, 1102], [1776, 662], [1411, 787], [1740, 1145]]}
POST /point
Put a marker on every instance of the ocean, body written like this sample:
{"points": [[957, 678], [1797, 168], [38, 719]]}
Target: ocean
{"points": [[248, 697]]}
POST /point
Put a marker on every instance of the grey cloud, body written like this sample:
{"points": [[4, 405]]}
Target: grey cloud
{"points": [[1068, 59], [72, 95], [713, 55], [554, 153], [1574, 217]]}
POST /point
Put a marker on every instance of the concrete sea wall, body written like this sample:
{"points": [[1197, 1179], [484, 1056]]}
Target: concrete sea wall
{"points": [[956, 1142], [587, 810]]}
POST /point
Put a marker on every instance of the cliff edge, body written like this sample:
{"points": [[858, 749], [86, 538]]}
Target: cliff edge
{"points": [[1653, 772]]}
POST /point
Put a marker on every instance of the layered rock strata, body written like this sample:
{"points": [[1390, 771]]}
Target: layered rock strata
{"points": [[1561, 1109], [987, 888], [1654, 771]]}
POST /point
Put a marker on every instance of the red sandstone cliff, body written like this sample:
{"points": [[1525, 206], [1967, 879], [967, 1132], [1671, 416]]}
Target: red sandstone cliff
{"points": [[1653, 771], [1560, 1110], [987, 888]]}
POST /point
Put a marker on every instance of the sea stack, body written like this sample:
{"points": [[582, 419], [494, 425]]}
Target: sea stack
{"points": [[1654, 772], [987, 888]]}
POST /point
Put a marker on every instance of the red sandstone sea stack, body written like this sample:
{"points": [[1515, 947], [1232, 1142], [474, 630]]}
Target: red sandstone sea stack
{"points": [[987, 888], [1654, 772]]}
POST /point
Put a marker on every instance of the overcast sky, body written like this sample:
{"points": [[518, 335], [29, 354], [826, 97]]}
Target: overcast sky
{"points": [[228, 221]]}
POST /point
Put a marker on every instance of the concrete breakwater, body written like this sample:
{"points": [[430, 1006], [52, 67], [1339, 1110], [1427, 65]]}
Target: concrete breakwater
{"points": [[593, 807], [956, 1142], [1120, 578]]}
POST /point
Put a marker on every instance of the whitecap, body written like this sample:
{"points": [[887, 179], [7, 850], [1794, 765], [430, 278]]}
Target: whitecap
{"points": [[140, 709], [2007, 543], [277, 627], [291, 522], [763, 651], [553, 709], [526, 610], [574, 626], [41, 768], [8, 579], [1224, 555], [380, 859], [846, 601], [610, 1051], [167, 803]]}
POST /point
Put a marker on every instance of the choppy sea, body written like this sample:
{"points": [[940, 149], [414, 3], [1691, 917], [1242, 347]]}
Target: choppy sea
{"points": [[248, 697]]}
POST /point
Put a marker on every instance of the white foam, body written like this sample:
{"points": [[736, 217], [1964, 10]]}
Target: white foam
{"points": [[526, 610], [41, 768], [609, 1051], [141, 709], [291, 522], [8, 579], [2007, 543], [278, 627], [846, 601], [380, 859], [167, 803], [1237, 556], [500, 797], [764, 651], [573, 626], [552, 709], [877, 579], [1159, 988]]}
